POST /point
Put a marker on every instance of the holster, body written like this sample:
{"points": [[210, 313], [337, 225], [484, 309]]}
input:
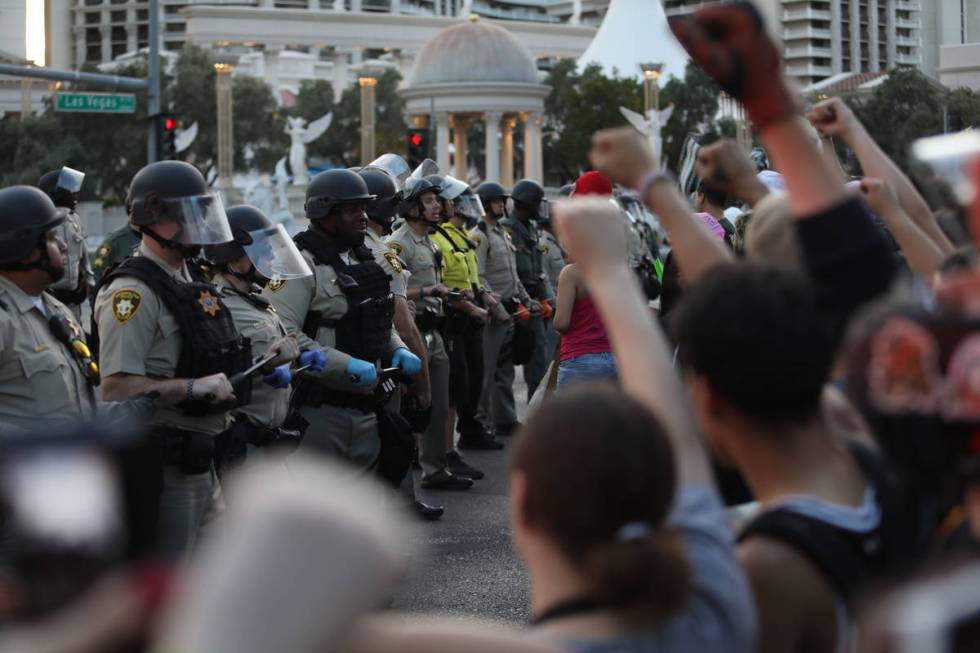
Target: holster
{"points": [[191, 451]]}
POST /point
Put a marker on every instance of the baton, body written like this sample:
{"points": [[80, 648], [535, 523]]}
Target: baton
{"points": [[241, 376]]}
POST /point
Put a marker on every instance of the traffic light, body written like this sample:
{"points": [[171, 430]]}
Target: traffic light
{"points": [[417, 142], [168, 138]]}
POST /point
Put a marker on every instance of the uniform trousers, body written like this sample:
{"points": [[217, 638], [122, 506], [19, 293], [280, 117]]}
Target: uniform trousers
{"points": [[466, 377], [496, 406], [346, 433], [432, 445], [184, 502], [535, 368]]}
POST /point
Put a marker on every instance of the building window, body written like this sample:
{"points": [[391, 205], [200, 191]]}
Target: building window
{"points": [[142, 33], [93, 53], [93, 18], [117, 16], [142, 14], [92, 3]]}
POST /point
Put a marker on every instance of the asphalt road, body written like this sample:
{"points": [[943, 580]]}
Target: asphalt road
{"points": [[468, 568]]}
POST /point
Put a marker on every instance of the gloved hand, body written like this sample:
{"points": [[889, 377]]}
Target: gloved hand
{"points": [[361, 372], [315, 360], [522, 314], [279, 378], [407, 361], [546, 310]]}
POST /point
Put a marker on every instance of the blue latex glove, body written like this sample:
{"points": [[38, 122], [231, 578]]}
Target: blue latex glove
{"points": [[279, 378], [407, 361], [361, 372], [316, 360]]}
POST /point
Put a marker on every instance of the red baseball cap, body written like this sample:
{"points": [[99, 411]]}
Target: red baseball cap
{"points": [[593, 183]]}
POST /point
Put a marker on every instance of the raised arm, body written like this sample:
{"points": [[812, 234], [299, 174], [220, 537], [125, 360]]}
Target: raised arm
{"points": [[642, 355], [625, 157], [921, 252], [834, 118]]}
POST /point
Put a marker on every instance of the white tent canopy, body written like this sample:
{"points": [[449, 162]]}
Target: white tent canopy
{"points": [[635, 32]]}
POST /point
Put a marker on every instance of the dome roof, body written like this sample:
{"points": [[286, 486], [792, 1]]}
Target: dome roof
{"points": [[474, 51]]}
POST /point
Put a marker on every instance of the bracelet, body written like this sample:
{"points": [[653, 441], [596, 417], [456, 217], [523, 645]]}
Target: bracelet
{"points": [[190, 389], [650, 178]]}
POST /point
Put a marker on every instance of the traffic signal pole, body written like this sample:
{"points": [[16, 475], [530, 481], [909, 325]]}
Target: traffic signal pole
{"points": [[153, 85]]}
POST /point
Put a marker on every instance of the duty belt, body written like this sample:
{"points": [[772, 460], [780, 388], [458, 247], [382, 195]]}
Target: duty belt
{"points": [[428, 321], [318, 396], [71, 297]]}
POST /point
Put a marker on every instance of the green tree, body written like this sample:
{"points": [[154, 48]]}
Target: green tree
{"points": [[578, 105], [695, 100]]}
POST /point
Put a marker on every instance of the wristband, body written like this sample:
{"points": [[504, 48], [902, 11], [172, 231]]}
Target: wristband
{"points": [[189, 389], [650, 178]]}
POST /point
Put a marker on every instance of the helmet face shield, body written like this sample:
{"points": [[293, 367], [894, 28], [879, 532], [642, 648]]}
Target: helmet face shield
{"points": [[469, 206], [452, 188], [202, 219], [426, 168], [70, 179], [395, 166], [275, 255]]}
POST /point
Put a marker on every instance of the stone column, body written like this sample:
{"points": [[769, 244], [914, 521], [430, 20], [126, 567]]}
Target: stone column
{"points": [[855, 37], [340, 65], [460, 128], [26, 99], [131, 44], [368, 85], [836, 38], [492, 146], [442, 140], [226, 151], [106, 33], [507, 156], [533, 168], [874, 60]]}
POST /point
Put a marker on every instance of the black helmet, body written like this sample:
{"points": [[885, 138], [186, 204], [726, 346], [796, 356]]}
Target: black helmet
{"points": [[491, 190], [26, 215], [438, 182], [164, 180], [62, 186], [331, 188], [382, 209], [527, 192], [414, 189], [242, 220]]}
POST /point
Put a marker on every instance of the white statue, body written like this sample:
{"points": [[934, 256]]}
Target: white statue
{"points": [[651, 126], [303, 134], [282, 178], [576, 12]]}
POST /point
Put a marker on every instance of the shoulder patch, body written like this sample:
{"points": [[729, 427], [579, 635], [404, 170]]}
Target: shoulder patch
{"points": [[209, 303], [276, 286], [478, 240], [125, 303], [397, 248], [393, 261]]}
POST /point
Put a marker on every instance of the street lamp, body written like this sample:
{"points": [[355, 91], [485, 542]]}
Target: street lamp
{"points": [[651, 86], [226, 151]]}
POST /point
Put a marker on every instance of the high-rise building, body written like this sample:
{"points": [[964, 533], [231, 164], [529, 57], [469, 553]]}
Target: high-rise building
{"points": [[822, 38], [950, 26]]}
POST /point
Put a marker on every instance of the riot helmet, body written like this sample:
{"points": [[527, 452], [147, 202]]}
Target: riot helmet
{"points": [[272, 253], [395, 166], [468, 206], [415, 189], [489, 191], [62, 186], [332, 188], [530, 195], [176, 192], [383, 208], [26, 217]]}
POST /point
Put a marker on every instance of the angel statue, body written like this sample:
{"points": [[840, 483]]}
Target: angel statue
{"points": [[650, 126], [302, 134]]}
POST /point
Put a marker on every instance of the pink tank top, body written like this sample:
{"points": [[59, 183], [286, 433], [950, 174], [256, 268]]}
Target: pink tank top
{"points": [[586, 334]]}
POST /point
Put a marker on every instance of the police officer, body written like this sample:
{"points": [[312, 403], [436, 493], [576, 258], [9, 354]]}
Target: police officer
{"points": [[530, 206], [163, 328], [261, 251], [74, 287], [463, 331], [421, 210], [344, 310], [496, 259], [381, 213], [554, 262], [44, 370], [118, 245]]}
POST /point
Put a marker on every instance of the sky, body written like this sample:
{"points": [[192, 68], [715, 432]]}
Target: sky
{"points": [[34, 31]]}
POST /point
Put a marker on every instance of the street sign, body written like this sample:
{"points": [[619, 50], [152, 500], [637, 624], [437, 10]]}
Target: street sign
{"points": [[95, 102]]}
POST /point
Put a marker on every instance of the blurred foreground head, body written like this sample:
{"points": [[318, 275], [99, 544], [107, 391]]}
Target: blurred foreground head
{"points": [[606, 517]]}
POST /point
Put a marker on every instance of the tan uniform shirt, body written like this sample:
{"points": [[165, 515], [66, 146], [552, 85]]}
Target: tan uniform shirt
{"points": [[78, 270], [388, 259], [295, 298], [262, 327], [419, 254], [139, 335], [554, 258], [496, 258], [39, 376]]}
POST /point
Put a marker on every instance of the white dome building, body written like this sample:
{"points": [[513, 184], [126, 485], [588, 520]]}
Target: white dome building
{"points": [[479, 71]]}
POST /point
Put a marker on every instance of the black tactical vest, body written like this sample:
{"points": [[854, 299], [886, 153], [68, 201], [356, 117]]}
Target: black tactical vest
{"points": [[210, 343], [365, 330]]}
